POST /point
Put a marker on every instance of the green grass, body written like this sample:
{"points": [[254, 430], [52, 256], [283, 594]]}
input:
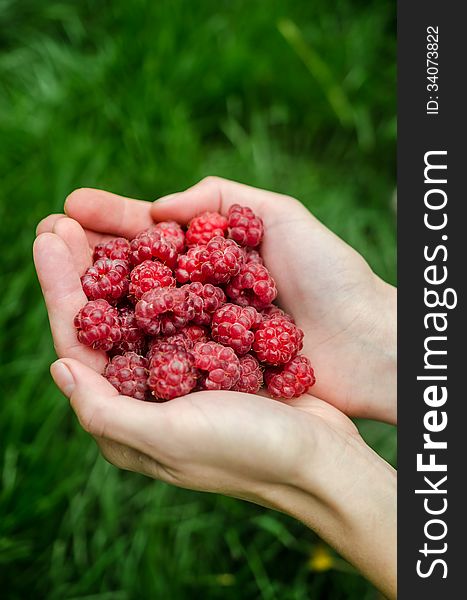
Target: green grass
{"points": [[144, 98]]}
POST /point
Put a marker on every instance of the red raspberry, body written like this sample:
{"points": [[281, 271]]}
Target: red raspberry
{"points": [[207, 298], [116, 249], [149, 275], [290, 380], [172, 232], [98, 325], [272, 311], [193, 334], [216, 262], [186, 337], [277, 341], [165, 310], [204, 227], [253, 286], [172, 372], [150, 244], [252, 256], [251, 375], [220, 365], [129, 375], [232, 324], [244, 226], [106, 279], [133, 339]]}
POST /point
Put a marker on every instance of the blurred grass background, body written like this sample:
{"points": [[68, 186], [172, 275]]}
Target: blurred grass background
{"points": [[144, 98]]}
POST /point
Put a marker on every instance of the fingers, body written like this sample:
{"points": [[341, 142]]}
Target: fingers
{"points": [[71, 232], [108, 213], [217, 194], [103, 413], [63, 294]]}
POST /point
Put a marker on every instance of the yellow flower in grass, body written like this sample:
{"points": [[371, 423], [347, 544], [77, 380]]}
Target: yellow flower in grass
{"points": [[320, 559]]}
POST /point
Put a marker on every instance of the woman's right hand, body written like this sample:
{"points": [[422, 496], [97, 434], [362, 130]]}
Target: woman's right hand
{"points": [[347, 312]]}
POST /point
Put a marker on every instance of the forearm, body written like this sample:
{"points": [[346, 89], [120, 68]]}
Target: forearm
{"points": [[354, 511]]}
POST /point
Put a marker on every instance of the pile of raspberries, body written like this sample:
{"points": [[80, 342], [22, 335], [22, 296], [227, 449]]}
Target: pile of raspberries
{"points": [[180, 311]]}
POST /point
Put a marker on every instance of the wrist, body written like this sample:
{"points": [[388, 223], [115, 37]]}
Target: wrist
{"points": [[383, 351], [373, 344], [350, 502]]}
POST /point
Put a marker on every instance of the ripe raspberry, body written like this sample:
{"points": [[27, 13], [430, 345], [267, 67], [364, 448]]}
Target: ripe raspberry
{"points": [[291, 380], [207, 299], [133, 339], [172, 372], [128, 374], [251, 375], [204, 227], [216, 262], [272, 311], [244, 226], [116, 249], [149, 275], [150, 244], [186, 337], [98, 325], [164, 310], [253, 286], [106, 279], [193, 334], [220, 365], [252, 256], [173, 233], [232, 324], [277, 341]]}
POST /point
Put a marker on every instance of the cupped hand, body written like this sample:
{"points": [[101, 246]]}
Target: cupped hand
{"points": [[347, 313]]}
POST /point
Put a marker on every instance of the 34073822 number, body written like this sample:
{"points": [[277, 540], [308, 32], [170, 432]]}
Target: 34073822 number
{"points": [[432, 58]]}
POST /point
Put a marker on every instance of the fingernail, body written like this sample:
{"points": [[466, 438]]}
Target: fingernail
{"points": [[63, 377]]}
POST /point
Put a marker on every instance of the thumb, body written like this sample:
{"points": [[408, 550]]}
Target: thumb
{"points": [[104, 413]]}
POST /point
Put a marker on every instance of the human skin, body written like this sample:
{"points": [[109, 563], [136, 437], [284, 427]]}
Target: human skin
{"points": [[304, 457]]}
